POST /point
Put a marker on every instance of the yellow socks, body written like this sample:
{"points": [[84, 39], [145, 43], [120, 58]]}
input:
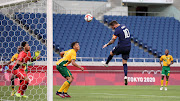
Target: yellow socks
{"points": [[66, 84], [162, 82], [166, 83], [66, 89]]}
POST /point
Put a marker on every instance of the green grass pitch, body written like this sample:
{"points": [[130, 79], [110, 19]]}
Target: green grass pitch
{"points": [[100, 93]]}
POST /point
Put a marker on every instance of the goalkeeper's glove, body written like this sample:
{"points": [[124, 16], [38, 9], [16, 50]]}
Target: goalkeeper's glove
{"points": [[24, 64], [37, 53]]}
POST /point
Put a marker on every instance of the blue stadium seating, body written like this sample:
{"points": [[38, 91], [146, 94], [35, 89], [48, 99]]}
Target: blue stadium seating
{"points": [[160, 33], [12, 35], [93, 35]]}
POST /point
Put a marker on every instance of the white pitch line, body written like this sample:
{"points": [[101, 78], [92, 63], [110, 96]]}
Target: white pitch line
{"points": [[128, 95], [6, 100]]}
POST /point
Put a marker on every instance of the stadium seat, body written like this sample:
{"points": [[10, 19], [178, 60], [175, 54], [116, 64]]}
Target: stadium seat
{"points": [[150, 31]]}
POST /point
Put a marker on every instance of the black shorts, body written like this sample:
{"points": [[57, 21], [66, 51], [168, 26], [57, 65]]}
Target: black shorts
{"points": [[122, 50]]}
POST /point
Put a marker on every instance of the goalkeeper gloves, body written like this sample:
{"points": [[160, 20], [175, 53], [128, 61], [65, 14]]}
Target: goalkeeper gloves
{"points": [[37, 53]]}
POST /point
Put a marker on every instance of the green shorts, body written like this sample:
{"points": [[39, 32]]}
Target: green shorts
{"points": [[165, 70], [63, 69]]}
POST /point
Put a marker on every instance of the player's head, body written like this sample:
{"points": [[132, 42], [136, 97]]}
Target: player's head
{"points": [[113, 24], [75, 45], [25, 45], [166, 51], [19, 48]]}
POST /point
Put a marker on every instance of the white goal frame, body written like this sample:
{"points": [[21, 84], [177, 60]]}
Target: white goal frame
{"points": [[49, 50]]}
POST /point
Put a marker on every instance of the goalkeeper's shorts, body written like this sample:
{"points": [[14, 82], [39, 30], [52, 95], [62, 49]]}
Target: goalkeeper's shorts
{"points": [[20, 73]]}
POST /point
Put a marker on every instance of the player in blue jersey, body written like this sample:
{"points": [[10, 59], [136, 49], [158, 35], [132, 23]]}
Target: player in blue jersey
{"points": [[123, 47]]}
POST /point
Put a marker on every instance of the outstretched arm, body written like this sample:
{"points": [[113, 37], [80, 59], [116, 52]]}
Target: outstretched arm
{"points": [[110, 42], [76, 65], [6, 64], [34, 59]]}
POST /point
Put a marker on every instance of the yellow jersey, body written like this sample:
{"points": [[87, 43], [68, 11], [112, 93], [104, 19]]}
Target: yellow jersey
{"points": [[14, 57], [166, 59], [68, 56]]}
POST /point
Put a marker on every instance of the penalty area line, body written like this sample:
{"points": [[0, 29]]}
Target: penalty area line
{"points": [[127, 95]]}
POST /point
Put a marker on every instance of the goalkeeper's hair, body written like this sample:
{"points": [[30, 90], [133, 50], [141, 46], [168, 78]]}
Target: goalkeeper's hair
{"points": [[112, 23], [72, 44], [23, 43]]}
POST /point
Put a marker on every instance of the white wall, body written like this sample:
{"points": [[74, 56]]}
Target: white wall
{"points": [[168, 11]]}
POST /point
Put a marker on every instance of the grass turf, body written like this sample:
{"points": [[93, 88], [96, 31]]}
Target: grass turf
{"points": [[100, 93]]}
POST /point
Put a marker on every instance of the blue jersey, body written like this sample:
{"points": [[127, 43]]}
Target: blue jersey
{"points": [[124, 36]]}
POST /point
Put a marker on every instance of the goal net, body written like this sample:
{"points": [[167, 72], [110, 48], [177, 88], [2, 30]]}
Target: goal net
{"points": [[23, 20]]}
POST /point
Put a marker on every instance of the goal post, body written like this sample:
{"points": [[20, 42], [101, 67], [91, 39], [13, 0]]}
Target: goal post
{"points": [[49, 51], [30, 21]]}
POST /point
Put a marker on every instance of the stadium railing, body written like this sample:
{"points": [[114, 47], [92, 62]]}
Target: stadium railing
{"points": [[98, 59], [132, 13]]}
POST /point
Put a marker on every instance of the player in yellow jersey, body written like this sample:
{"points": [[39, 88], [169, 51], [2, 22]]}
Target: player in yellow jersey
{"points": [[167, 62], [68, 57], [14, 58]]}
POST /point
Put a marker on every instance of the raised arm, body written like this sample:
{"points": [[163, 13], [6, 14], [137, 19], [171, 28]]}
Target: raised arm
{"points": [[111, 41], [6, 64]]}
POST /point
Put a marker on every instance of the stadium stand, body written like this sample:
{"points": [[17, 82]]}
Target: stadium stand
{"points": [[11, 35], [159, 33], [93, 34]]}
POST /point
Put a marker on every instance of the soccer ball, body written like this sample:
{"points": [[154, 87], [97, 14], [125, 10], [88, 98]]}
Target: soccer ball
{"points": [[88, 17]]}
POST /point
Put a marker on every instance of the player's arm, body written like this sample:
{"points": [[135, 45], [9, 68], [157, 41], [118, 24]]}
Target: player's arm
{"points": [[171, 61], [12, 59], [6, 64], [62, 54], [76, 65], [161, 59], [34, 59], [111, 41], [20, 63]]}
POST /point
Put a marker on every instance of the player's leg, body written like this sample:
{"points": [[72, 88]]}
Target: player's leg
{"points": [[125, 56], [162, 78], [108, 59], [167, 77], [12, 85], [67, 74], [125, 71], [162, 81], [23, 85], [112, 53], [66, 89]]}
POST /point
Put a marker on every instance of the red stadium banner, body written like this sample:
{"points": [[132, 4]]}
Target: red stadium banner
{"points": [[99, 75]]}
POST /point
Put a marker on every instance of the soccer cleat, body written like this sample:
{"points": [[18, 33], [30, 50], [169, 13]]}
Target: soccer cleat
{"points": [[60, 94], [104, 63], [13, 92], [125, 80], [165, 88], [18, 94], [161, 88], [24, 96], [67, 95]]}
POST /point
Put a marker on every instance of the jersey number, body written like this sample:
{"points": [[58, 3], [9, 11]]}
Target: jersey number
{"points": [[126, 33]]}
